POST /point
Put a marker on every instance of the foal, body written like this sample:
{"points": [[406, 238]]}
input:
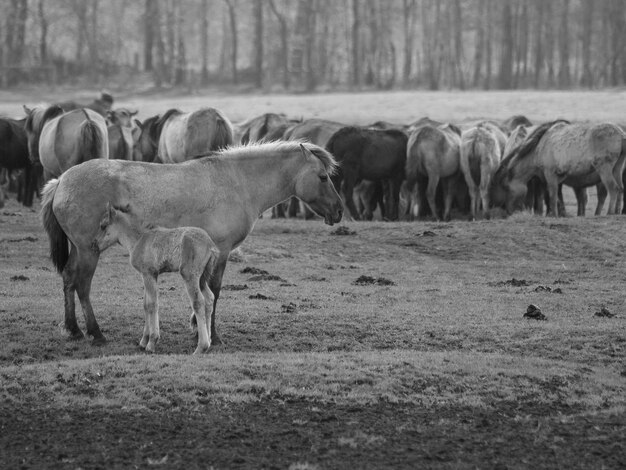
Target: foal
{"points": [[155, 250]]}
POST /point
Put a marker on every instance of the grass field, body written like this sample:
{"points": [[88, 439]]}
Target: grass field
{"points": [[436, 369]]}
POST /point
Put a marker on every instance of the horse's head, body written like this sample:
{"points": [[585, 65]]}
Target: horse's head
{"points": [[507, 192], [145, 139], [113, 224], [33, 125], [314, 185]]}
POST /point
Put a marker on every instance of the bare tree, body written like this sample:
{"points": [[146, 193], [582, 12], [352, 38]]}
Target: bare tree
{"points": [[204, 42], [564, 70], [258, 43], [356, 44], [284, 45], [232, 16]]}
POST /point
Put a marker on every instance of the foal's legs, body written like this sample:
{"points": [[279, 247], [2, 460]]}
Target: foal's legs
{"points": [[151, 310]]}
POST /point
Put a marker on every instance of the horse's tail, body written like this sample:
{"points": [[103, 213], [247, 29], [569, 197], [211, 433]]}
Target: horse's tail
{"points": [[59, 248], [90, 140], [223, 136]]}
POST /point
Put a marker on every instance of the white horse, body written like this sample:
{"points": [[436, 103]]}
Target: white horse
{"points": [[186, 250]]}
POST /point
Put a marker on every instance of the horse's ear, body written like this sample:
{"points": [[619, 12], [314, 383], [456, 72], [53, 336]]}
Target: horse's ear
{"points": [[133, 113], [306, 152], [27, 110], [138, 124]]}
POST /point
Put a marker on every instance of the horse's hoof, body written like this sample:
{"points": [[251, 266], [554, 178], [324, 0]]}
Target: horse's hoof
{"points": [[200, 350], [99, 341], [76, 335]]}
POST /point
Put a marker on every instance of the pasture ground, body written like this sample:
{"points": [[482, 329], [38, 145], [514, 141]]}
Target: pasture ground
{"points": [[436, 369]]}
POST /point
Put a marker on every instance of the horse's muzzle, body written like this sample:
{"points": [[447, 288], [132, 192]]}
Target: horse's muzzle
{"points": [[335, 217]]}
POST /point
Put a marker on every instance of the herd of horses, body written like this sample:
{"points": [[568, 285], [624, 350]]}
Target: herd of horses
{"points": [[197, 169]]}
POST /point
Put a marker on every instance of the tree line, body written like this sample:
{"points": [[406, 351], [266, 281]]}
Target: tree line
{"points": [[316, 44]]}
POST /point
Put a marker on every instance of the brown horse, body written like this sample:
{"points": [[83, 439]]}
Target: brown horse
{"points": [[433, 155], [578, 155], [223, 194], [369, 154]]}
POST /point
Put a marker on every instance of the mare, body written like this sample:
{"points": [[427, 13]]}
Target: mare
{"points": [[578, 155], [61, 140], [433, 155], [176, 137], [223, 194], [14, 156], [369, 154], [155, 250], [481, 150]]}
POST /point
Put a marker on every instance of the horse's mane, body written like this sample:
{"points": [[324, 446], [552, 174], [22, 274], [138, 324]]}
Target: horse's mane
{"points": [[168, 114], [526, 147], [330, 164]]}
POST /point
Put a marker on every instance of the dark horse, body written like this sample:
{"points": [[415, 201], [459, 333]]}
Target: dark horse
{"points": [[14, 156], [369, 154]]}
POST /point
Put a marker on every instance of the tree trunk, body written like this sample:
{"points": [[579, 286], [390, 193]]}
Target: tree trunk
{"points": [[356, 47], [458, 43], [204, 42], [43, 38], [232, 15], [506, 57], [181, 56], [564, 73], [489, 45], [587, 22], [311, 24], [539, 41], [408, 23], [258, 43], [284, 43], [148, 33], [480, 42], [159, 70]]}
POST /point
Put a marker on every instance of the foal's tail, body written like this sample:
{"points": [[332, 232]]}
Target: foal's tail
{"points": [[59, 248], [90, 142]]}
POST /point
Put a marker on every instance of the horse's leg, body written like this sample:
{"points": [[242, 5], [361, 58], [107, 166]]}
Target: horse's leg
{"points": [[69, 275], [394, 196], [87, 262], [553, 196], [215, 284], [618, 171], [192, 283], [431, 193], [601, 193], [348, 190], [581, 201], [209, 300], [151, 311], [611, 185], [448, 184], [420, 193]]}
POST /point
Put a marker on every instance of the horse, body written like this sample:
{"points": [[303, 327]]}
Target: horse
{"points": [[257, 128], [481, 150], [369, 196], [176, 136], [155, 250], [101, 105], [120, 142], [369, 154], [578, 155], [60, 140], [433, 155], [318, 132], [14, 156], [224, 194], [515, 121]]}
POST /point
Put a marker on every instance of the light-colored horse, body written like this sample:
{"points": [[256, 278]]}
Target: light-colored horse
{"points": [[60, 140], [257, 128], [186, 250], [223, 194], [433, 155], [578, 155], [481, 150]]}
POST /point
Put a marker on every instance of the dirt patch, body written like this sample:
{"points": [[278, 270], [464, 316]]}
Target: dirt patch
{"points": [[20, 277], [604, 312], [549, 289], [267, 277], [289, 308], [304, 434], [259, 296], [368, 281], [253, 270]]}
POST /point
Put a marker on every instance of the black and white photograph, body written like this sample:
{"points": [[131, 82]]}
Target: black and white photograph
{"points": [[312, 234]]}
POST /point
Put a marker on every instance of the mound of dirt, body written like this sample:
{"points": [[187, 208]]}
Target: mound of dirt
{"points": [[343, 230], [267, 277], [604, 312], [558, 290], [533, 312], [511, 282], [253, 270], [258, 296], [235, 287], [20, 277], [368, 281]]}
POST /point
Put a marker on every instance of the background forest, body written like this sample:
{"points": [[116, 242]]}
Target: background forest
{"points": [[314, 44]]}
